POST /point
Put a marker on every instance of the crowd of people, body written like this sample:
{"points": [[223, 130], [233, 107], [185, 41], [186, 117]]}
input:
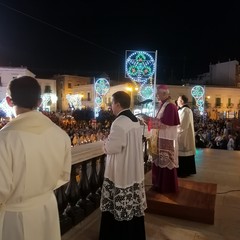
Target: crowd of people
{"points": [[209, 133], [217, 134], [80, 132]]}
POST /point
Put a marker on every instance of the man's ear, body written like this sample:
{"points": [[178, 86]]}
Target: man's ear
{"points": [[9, 101]]}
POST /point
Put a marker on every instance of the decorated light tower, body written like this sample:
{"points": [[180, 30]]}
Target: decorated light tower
{"points": [[140, 67], [198, 93], [46, 99], [74, 101], [101, 87]]}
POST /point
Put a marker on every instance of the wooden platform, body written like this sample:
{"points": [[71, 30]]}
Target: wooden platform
{"points": [[195, 201]]}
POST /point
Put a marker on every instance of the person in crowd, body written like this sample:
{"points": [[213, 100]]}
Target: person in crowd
{"points": [[224, 142], [35, 160], [237, 140], [123, 199], [186, 139], [199, 142], [217, 141], [164, 145], [229, 126], [231, 143]]}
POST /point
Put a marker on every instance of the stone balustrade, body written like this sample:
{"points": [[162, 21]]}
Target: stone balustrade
{"points": [[81, 195]]}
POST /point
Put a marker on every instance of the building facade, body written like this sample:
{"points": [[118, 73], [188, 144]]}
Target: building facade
{"points": [[65, 85], [9, 73], [220, 102], [220, 74], [224, 74]]}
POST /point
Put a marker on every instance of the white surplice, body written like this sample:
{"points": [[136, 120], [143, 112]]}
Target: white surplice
{"points": [[35, 156]]}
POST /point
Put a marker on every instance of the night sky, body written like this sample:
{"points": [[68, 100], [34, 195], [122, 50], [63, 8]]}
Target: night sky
{"points": [[91, 37]]}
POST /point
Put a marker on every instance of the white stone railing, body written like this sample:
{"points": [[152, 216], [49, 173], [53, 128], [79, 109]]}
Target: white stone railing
{"points": [[83, 152]]}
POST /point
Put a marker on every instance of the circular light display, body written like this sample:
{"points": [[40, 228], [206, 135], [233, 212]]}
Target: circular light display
{"points": [[140, 66], [197, 91], [102, 86], [199, 102], [98, 100], [146, 91]]}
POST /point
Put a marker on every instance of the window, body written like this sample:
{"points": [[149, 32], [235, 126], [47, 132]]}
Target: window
{"points": [[229, 102], [218, 102], [69, 85], [0, 81], [88, 96], [47, 89]]}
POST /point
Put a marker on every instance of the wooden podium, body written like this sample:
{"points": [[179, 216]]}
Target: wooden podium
{"points": [[195, 201]]}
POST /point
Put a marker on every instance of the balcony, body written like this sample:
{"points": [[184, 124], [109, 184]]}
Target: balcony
{"points": [[81, 196]]}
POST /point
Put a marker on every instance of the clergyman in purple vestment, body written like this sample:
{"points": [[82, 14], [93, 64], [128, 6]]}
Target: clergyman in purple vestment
{"points": [[164, 141]]}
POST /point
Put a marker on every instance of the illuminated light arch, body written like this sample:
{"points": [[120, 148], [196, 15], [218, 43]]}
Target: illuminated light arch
{"points": [[198, 93], [140, 66], [74, 100], [46, 98]]}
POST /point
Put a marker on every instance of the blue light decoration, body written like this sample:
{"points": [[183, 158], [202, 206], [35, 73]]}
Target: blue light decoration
{"points": [[139, 66], [146, 91], [6, 108], [101, 86], [98, 100], [198, 93]]}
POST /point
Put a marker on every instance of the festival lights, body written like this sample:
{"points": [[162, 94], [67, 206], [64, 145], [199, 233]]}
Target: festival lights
{"points": [[140, 66], [6, 108], [198, 93], [74, 100], [101, 87], [46, 98], [146, 91]]}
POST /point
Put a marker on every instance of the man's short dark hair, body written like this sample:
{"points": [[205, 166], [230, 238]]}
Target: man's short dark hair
{"points": [[25, 92], [184, 98], [122, 98]]}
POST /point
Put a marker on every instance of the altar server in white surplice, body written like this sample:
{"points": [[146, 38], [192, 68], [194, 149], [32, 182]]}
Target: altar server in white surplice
{"points": [[35, 157], [123, 199]]}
